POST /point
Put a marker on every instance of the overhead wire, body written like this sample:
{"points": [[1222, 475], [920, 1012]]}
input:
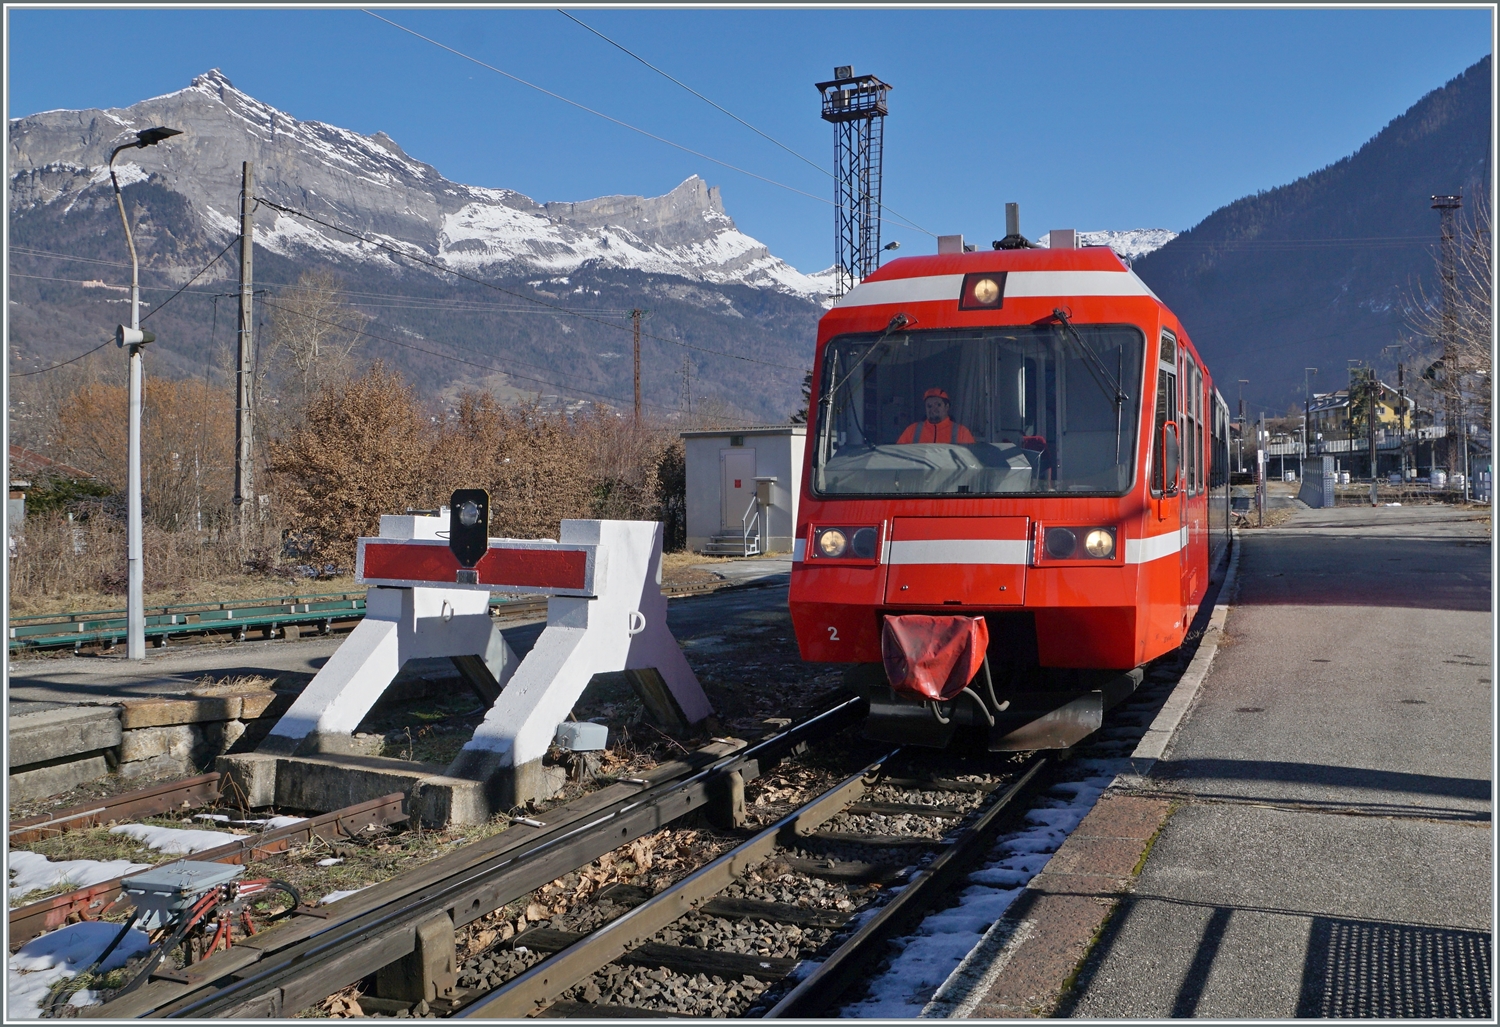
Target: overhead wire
{"points": [[600, 114], [396, 251], [771, 139], [420, 302], [149, 314], [460, 360]]}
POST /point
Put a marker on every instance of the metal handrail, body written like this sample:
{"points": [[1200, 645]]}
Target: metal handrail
{"points": [[745, 523]]}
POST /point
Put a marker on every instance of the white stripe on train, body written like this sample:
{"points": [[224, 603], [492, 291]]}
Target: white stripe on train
{"points": [[956, 552], [1018, 285]]}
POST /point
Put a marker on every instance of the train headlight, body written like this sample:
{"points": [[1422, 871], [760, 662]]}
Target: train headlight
{"points": [[832, 542], [1099, 543], [983, 291], [863, 543], [1061, 543]]}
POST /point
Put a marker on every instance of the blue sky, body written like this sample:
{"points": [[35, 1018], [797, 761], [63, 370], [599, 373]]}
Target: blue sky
{"points": [[1089, 118]]}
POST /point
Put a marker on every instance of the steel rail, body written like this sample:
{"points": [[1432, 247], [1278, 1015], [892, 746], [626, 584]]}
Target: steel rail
{"points": [[28, 922], [540, 985], [344, 952], [816, 993], [144, 802]]}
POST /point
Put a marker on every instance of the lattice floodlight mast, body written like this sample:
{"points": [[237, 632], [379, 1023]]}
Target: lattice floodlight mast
{"points": [[855, 104]]}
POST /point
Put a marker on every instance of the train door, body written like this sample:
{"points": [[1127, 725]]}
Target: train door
{"points": [[1165, 554], [1192, 485]]}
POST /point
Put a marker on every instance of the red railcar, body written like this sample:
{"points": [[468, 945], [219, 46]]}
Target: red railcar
{"points": [[1022, 435]]}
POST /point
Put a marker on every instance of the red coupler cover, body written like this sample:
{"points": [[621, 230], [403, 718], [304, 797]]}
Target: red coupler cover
{"points": [[932, 657]]}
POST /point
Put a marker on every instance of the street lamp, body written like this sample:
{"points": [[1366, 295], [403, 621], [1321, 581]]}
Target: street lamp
{"points": [[135, 623]]}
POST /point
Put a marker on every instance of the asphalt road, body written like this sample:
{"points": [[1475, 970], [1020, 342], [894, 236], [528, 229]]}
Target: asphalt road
{"points": [[65, 678], [1332, 855]]}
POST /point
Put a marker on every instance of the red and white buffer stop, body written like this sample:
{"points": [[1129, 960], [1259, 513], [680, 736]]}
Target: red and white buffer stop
{"points": [[427, 598]]}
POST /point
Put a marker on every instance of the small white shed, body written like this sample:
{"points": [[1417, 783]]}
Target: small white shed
{"points": [[743, 480]]}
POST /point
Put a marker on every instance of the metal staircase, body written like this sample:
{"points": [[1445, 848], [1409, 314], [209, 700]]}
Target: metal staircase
{"points": [[745, 542]]}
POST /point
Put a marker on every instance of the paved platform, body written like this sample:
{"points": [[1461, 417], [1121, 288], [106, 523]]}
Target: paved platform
{"points": [[1322, 816]]}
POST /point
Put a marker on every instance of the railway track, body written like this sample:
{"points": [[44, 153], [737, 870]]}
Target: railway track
{"points": [[788, 919], [106, 899], [821, 890], [591, 974], [290, 967]]}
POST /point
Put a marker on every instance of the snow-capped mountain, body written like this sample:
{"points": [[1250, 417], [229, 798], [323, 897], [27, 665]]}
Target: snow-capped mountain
{"points": [[743, 318], [368, 183], [1130, 244]]}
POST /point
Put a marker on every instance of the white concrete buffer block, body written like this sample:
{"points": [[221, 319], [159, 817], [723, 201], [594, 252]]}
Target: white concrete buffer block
{"points": [[623, 628], [400, 624]]}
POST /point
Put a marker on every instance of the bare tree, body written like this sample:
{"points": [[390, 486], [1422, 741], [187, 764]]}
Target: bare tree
{"points": [[313, 332], [1459, 351]]}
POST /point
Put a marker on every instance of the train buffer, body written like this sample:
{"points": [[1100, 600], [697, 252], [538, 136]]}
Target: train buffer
{"points": [[429, 597]]}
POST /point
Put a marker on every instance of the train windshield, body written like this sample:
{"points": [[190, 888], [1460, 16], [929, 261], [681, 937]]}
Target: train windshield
{"points": [[1029, 409]]}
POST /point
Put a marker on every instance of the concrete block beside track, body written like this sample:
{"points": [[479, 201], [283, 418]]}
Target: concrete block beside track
{"points": [[148, 713], [38, 782], [56, 734]]}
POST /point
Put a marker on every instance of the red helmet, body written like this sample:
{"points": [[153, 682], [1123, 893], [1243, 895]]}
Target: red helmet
{"points": [[935, 391]]}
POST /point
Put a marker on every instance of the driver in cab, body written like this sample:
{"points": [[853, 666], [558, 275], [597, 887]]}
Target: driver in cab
{"points": [[938, 427]]}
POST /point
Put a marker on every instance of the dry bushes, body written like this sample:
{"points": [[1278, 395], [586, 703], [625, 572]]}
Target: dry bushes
{"points": [[84, 561], [187, 446], [367, 447], [361, 452]]}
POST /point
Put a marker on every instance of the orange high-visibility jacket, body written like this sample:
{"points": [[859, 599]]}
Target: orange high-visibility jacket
{"points": [[944, 431]]}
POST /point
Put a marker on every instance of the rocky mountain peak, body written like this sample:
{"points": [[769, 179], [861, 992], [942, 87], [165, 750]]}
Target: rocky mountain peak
{"points": [[212, 80], [369, 183]]}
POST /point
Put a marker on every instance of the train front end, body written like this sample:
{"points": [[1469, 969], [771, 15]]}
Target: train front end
{"points": [[979, 536]]}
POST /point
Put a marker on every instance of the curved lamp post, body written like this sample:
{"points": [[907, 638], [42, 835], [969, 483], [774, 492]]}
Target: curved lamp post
{"points": [[135, 625]]}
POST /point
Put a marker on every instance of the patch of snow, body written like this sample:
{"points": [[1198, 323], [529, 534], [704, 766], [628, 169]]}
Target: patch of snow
{"points": [[334, 896], [942, 940], [331, 861], [175, 840], [30, 871], [126, 173], [1130, 243], [275, 822], [63, 953]]}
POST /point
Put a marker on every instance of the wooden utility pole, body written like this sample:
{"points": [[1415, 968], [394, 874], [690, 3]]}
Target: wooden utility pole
{"points": [[635, 320], [244, 424]]}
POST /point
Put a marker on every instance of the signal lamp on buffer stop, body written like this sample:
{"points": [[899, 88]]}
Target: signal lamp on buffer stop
{"points": [[468, 530]]}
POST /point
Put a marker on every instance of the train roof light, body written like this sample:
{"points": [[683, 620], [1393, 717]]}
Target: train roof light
{"points": [[984, 290]]}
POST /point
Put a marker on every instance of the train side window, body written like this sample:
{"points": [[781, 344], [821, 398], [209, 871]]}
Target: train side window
{"points": [[1166, 410], [1192, 434]]}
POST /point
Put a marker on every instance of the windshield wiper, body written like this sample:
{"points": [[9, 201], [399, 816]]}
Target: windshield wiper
{"points": [[893, 326], [1097, 368]]}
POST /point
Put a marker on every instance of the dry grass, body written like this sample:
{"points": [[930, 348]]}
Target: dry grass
{"points": [[224, 588], [677, 569]]}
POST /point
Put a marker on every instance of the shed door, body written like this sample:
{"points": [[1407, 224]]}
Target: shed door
{"points": [[737, 470]]}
